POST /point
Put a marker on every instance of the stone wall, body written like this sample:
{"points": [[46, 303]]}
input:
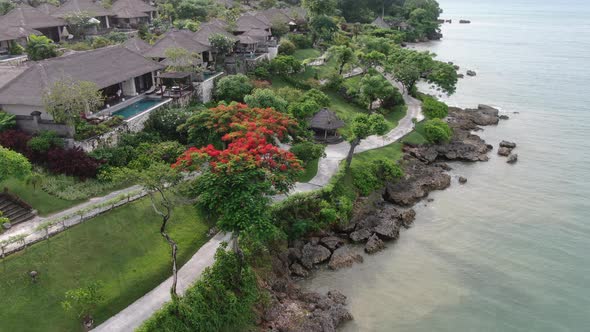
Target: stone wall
{"points": [[205, 89], [33, 124]]}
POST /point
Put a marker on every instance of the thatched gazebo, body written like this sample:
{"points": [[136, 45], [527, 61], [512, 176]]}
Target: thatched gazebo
{"points": [[326, 123]]}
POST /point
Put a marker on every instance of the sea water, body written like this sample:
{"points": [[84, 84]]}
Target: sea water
{"points": [[509, 250]]}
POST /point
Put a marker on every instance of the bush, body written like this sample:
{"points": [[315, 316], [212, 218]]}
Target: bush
{"points": [[7, 121], [74, 162], [291, 95], [45, 141], [165, 122], [318, 96], [219, 301], [308, 151], [304, 110], [100, 42], [233, 88], [434, 109], [15, 140], [118, 156], [70, 189], [264, 98], [85, 130], [262, 70], [15, 48], [284, 65], [287, 47], [436, 131], [300, 40], [367, 178], [335, 81]]}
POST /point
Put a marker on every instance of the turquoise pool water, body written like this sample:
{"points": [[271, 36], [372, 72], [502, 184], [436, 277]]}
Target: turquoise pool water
{"points": [[138, 107]]}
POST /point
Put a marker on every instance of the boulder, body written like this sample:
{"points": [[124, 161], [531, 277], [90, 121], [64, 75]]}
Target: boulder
{"points": [[471, 73], [506, 144], [462, 180], [314, 254], [360, 235], [298, 270], [408, 217], [374, 245], [344, 257], [332, 242], [460, 76], [420, 179], [388, 230], [513, 158], [504, 152], [504, 117], [337, 297]]}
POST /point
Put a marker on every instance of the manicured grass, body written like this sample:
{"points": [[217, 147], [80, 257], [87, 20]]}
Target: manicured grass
{"points": [[41, 201], [306, 53], [416, 136], [395, 115], [122, 248], [311, 169], [390, 152]]}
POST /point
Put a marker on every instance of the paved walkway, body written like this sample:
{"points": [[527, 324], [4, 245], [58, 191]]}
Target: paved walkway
{"points": [[134, 315]]}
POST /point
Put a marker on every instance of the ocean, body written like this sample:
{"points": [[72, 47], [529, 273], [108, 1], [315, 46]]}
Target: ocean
{"points": [[509, 250]]}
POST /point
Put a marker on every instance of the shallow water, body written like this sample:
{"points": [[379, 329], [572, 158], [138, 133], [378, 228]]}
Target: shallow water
{"points": [[510, 250]]}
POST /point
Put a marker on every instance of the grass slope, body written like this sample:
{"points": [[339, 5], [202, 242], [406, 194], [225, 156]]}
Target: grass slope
{"points": [[44, 203], [122, 248], [311, 169]]}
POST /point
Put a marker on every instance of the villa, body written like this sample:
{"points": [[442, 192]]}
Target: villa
{"points": [[120, 74], [24, 20], [95, 9], [132, 13]]}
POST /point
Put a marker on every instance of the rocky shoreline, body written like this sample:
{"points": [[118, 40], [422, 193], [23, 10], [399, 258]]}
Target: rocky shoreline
{"points": [[377, 220]]}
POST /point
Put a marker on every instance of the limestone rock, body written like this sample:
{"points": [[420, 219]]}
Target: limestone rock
{"points": [[513, 158], [314, 254], [374, 245], [344, 257]]}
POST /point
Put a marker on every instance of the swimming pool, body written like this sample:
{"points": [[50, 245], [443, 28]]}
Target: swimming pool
{"points": [[138, 107]]}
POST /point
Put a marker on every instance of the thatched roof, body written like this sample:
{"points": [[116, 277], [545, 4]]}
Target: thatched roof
{"points": [[248, 22], [105, 66], [8, 73], [380, 22], [93, 8], [208, 29], [273, 15], [137, 45], [132, 8], [29, 17], [326, 120], [12, 33], [47, 8], [176, 39]]}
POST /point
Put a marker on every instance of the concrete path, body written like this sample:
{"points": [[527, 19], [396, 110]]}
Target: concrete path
{"points": [[134, 315]]}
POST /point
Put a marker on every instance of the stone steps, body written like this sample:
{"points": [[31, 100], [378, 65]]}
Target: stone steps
{"points": [[14, 210]]}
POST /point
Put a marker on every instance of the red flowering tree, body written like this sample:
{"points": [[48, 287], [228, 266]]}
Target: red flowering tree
{"points": [[237, 182], [233, 121]]}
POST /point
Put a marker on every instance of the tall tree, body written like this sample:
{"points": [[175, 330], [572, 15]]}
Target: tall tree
{"points": [[343, 55], [375, 87], [362, 127], [66, 99], [320, 7]]}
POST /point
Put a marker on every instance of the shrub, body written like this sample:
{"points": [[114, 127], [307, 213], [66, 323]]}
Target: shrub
{"points": [[165, 122], [304, 110], [85, 130], [364, 179], [262, 70], [74, 162], [434, 109], [300, 40], [233, 88], [100, 42], [264, 98], [335, 81], [219, 301], [436, 131], [118, 156], [387, 170], [287, 47], [284, 65], [308, 151], [71, 189], [318, 96], [7, 121], [45, 141], [15, 140], [258, 84], [15, 48]]}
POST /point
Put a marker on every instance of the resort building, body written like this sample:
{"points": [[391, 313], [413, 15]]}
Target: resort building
{"points": [[129, 14], [118, 72], [24, 19], [93, 8], [137, 45]]}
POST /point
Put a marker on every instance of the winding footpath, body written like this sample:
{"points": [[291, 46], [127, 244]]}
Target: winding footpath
{"points": [[142, 309]]}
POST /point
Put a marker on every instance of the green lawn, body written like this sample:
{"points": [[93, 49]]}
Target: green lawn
{"points": [[311, 169], [41, 201], [390, 152], [306, 53], [122, 248], [416, 136]]}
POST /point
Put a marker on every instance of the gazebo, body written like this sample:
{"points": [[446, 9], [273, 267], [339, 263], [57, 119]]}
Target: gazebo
{"points": [[326, 123]]}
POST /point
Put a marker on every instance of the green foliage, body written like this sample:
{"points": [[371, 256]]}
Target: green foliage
{"points": [[262, 70], [13, 165], [70, 189], [83, 301], [308, 151], [66, 99], [221, 43], [181, 60], [437, 131], [304, 110], [6, 6], [318, 96], [291, 95], [434, 109], [233, 88], [99, 42], [287, 47], [7, 121], [40, 48], [79, 23], [323, 28], [285, 65], [374, 87], [407, 73], [320, 7], [264, 98], [367, 178], [165, 122], [222, 300], [45, 141], [192, 9], [301, 41], [15, 48], [85, 129], [342, 55]]}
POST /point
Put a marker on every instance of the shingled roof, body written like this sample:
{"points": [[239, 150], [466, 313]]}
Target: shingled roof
{"points": [[28, 17], [105, 66], [248, 22], [137, 45], [326, 120], [79, 6], [176, 39], [12, 33], [132, 8]]}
